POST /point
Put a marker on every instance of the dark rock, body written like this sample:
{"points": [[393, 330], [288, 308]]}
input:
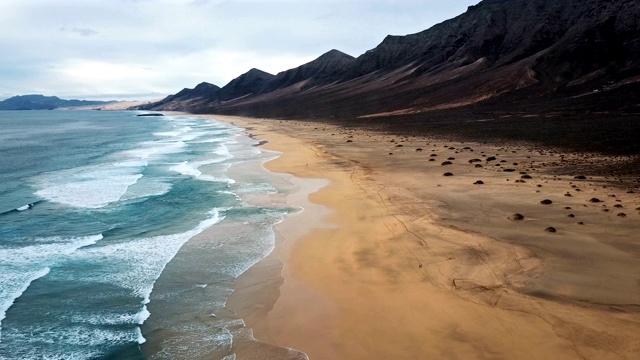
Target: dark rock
{"points": [[517, 217], [152, 114]]}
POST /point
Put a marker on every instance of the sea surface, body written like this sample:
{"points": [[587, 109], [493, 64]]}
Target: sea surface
{"points": [[95, 205]]}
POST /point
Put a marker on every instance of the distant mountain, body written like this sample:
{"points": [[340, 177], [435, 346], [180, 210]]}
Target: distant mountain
{"points": [[506, 59], [327, 68], [186, 99], [41, 102]]}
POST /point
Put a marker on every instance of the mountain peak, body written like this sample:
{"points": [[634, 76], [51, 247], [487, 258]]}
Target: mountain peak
{"points": [[204, 85], [258, 72], [334, 54]]}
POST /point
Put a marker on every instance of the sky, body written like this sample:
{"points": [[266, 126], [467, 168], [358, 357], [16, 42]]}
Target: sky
{"points": [[147, 49]]}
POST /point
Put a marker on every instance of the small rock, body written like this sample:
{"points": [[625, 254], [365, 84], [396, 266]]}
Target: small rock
{"points": [[550, 229], [447, 174], [517, 217], [479, 182], [546, 202]]}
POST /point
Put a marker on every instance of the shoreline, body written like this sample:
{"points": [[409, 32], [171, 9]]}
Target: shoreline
{"points": [[395, 284]]}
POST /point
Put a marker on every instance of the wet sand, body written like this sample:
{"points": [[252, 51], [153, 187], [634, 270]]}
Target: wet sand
{"points": [[409, 263]]}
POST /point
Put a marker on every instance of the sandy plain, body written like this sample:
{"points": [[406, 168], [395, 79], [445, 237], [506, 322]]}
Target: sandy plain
{"points": [[505, 258]]}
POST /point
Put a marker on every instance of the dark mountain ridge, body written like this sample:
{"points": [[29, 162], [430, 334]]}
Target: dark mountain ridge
{"points": [[41, 102], [186, 99], [515, 58], [327, 68], [251, 82]]}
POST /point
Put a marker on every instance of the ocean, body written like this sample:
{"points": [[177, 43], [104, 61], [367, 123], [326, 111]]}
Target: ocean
{"points": [[95, 205]]}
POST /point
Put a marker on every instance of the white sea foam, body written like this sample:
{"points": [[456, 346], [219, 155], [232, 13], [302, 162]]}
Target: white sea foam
{"points": [[88, 190], [79, 335], [155, 149], [19, 267], [259, 187], [147, 187], [193, 169], [105, 318], [138, 263], [68, 354], [186, 168], [192, 135], [223, 150], [23, 208]]}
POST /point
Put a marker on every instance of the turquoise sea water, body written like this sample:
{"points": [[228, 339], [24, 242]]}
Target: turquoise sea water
{"points": [[94, 205]]}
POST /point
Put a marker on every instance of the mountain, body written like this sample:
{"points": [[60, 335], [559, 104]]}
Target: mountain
{"points": [[186, 99], [505, 60], [248, 83], [41, 102], [327, 68]]}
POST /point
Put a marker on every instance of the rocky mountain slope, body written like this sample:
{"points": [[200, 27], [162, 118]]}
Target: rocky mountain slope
{"points": [[501, 58]]}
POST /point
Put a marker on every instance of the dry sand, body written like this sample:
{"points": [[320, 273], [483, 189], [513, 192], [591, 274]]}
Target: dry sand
{"points": [[116, 106], [393, 260]]}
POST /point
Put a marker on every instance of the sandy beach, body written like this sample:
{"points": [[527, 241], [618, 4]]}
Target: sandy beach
{"points": [[419, 248]]}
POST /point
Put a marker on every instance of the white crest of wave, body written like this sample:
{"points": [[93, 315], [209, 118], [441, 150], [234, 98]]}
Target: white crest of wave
{"points": [[138, 263], [19, 267]]}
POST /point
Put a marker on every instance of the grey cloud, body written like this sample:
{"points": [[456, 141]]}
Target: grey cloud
{"points": [[80, 31]]}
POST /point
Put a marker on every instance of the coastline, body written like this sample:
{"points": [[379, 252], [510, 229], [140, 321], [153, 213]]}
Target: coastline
{"points": [[408, 270]]}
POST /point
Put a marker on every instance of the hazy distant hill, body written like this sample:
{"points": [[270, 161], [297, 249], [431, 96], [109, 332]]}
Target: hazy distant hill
{"points": [[502, 59], [41, 102]]}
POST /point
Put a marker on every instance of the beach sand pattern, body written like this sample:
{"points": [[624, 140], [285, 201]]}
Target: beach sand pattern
{"points": [[412, 264]]}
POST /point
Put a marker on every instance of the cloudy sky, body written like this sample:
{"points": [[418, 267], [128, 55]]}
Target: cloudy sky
{"points": [[141, 49]]}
